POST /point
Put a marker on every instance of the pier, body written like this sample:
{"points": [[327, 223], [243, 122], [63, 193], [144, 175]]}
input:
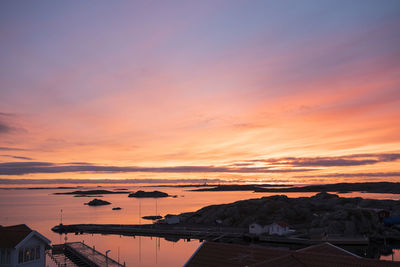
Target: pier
{"points": [[80, 254]]}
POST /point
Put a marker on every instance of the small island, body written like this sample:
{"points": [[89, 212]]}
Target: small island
{"points": [[152, 194], [97, 202]]}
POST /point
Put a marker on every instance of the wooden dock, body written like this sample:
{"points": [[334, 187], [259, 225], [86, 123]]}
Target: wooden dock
{"points": [[80, 254]]}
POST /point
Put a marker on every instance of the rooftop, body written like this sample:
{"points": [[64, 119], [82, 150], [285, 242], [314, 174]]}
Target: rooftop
{"points": [[10, 236], [322, 255]]}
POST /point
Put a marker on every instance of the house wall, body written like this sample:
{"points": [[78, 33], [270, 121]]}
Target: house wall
{"points": [[257, 229], [33, 242], [277, 229]]}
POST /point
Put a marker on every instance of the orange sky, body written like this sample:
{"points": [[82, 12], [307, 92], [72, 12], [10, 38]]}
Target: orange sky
{"points": [[225, 90]]}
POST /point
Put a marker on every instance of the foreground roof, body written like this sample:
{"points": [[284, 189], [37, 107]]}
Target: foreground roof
{"points": [[12, 236], [223, 254], [322, 255]]}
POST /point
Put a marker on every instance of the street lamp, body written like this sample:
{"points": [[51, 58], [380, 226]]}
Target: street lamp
{"points": [[107, 257]]}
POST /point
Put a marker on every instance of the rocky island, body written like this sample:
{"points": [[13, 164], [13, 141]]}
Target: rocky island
{"points": [[152, 194], [97, 202]]}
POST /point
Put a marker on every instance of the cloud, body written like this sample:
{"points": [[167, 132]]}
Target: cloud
{"points": [[4, 128], [20, 168], [6, 114], [352, 175], [339, 161], [11, 149], [109, 181], [17, 157]]}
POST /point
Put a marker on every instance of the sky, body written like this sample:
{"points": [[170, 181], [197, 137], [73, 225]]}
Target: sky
{"points": [[251, 91]]}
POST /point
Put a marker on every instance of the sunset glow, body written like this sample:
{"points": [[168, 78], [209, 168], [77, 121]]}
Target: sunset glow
{"points": [[284, 92]]}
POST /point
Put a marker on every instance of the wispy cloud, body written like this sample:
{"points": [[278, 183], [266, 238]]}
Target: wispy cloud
{"points": [[4, 128], [17, 157], [108, 181], [354, 175], [11, 149], [20, 168], [339, 161]]}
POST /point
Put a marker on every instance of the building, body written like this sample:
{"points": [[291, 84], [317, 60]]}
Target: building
{"points": [[279, 228], [171, 219], [22, 246], [213, 254], [258, 229]]}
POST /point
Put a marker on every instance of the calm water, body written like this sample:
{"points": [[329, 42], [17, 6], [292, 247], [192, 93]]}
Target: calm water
{"points": [[40, 210]]}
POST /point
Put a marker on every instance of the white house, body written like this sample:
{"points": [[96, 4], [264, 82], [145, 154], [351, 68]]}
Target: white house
{"points": [[258, 229], [171, 219], [22, 246], [279, 228]]}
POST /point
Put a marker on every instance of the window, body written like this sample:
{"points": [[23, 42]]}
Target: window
{"points": [[38, 252], [21, 255], [32, 254], [27, 255]]}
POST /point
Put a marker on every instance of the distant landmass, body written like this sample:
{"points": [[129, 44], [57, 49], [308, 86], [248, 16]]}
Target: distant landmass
{"points": [[237, 187], [218, 185], [91, 192], [378, 187]]}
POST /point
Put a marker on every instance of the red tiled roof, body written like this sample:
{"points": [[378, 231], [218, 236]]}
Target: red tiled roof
{"points": [[221, 254], [10, 236], [327, 248], [282, 224], [322, 255], [306, 259]]}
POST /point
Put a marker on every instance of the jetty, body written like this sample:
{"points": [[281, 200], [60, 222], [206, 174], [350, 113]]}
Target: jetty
{"points": [[201, 233], [158, 230], [80, 254]]}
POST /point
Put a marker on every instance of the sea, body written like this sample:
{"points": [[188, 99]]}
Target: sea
{"points": [[41, 210]]}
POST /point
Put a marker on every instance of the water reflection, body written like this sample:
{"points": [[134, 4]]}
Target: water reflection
{"points": [[41, 210]]}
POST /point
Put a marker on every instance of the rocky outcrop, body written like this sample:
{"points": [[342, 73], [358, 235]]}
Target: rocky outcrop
{"points": [[328, 212]]}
